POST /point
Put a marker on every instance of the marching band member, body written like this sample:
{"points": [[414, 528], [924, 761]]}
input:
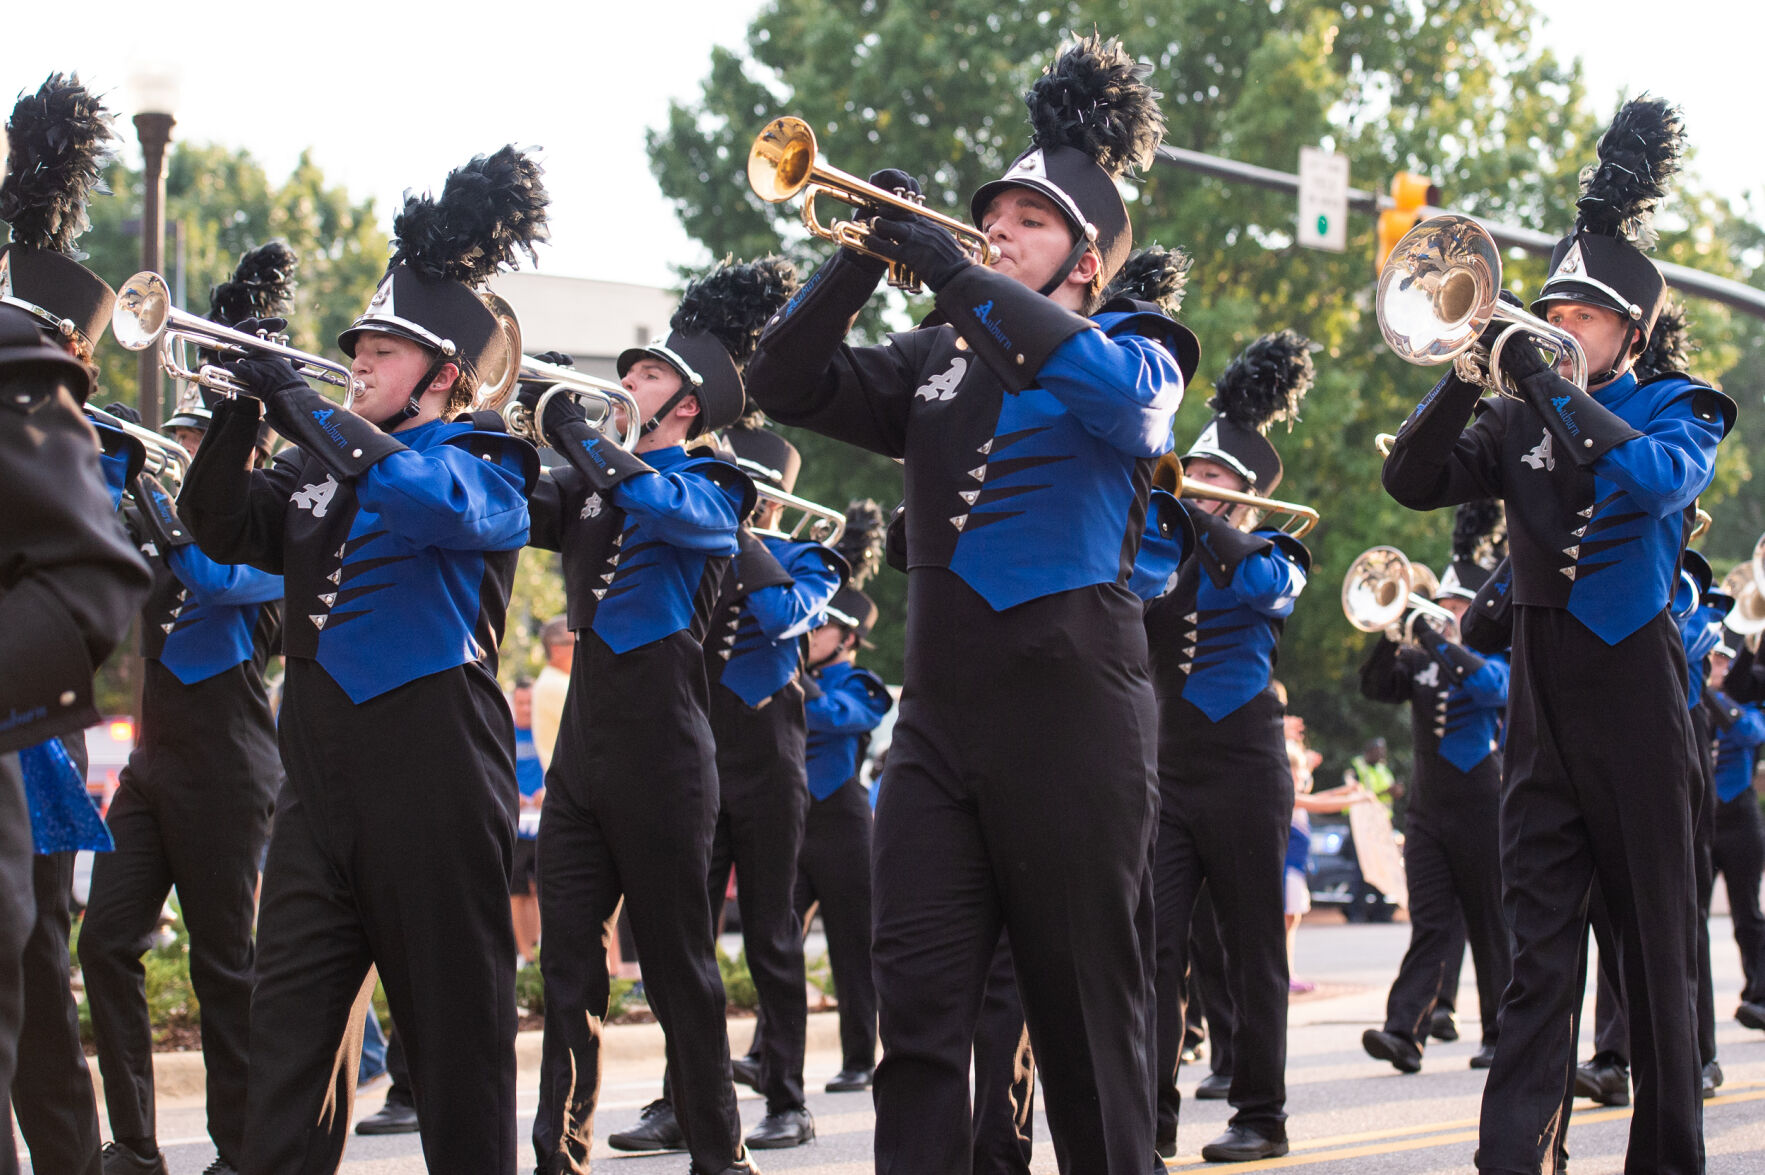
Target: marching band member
{"points": [[396, 524], [1599, 487], [59, 140], [1451, 858], [193, 807], [631, 799], [1028, 433], [1225, 785], [1739, 731]]}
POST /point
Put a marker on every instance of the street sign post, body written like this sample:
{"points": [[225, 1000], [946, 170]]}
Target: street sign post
{"points": [[1323, 200]]}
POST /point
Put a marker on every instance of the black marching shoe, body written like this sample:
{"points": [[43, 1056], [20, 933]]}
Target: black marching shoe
{"points": [[1388, 1046], [1712, 1078], [1443, 1025], [1214, 1087], [1485, 1056], [1604, 1079], [220, 1167], [656, 1130], [391, 1118], [787, 1128], [851, 1081], [1751, 1016], [1241, 1144], [123, 1160], [746, 1071]]}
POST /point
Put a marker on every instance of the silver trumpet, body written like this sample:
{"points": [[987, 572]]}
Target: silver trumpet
{"points": [[598, 398], [1382, 585], [1746, 583], [144, 315], [166, 458]]}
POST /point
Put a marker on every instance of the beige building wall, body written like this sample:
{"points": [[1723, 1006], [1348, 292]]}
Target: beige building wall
{"points": [[590, 320]]}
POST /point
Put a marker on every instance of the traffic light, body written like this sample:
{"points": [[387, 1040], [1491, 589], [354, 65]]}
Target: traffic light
{"points": [[1410, 193]]}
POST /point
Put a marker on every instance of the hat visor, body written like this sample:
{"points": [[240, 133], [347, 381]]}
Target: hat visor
{"points": [[185, 420], [1576, 291], [988, 192], [348, 340], [630, 358]]}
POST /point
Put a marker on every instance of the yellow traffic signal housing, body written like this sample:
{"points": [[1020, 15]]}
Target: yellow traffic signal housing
{"points": [[1410, 193]]}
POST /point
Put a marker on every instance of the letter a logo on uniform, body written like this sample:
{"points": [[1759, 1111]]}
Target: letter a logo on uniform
{"points": [[1539, 457], [943, 385], [316, 498]]}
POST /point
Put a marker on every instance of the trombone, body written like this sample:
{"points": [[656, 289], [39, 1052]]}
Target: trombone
{"points": [[1441, 286], [1382, 585], [1168, 475], [144, 315], [166, 458], [819, 523], [599, 395], [781, 163]]}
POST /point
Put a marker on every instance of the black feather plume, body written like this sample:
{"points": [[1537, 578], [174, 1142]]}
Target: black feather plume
{"points": [[262, 286], [1266, 382], [1670, 345], [60, 140], [1480, 533], [862, 543], [735, 301], [490, 209], [1095, 97], [1153, 274], [1639, 156]]}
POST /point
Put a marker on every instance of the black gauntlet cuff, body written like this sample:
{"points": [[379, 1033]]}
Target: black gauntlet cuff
{"points": [[1586, 429], [343, 442], [594, 456], [159, 515], [1011, 327]]}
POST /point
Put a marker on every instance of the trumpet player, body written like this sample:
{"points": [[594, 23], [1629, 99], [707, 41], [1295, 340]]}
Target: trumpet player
{"points": [[396, 526], [1599, 486], [1226, 790], [1018, 790], [631, 798], [193, 806], [1451, 859], [1738, 730]]}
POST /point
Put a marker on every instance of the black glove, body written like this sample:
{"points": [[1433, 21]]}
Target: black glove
{"points": [[263, 326], [123, 411], [1521, 358], [1496, 326], [896, 182], [159, 514], [263, 376], [1458, 661], [562, 411], [555, 358], [342, 441], [931, 253]]}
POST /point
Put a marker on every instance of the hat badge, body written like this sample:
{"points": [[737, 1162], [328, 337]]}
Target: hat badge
{"points": [[1572, 260]]}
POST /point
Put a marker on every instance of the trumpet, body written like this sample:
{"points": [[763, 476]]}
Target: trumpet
{"points": [[144, 315], [1382, 585], [781, 163], [1168, 475], [1746, 583], [598, 395], [1441, 286], [166, 458], [819, 523]]}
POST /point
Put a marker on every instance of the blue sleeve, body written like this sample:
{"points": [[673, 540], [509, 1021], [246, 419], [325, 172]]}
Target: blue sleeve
{"points": [[789, 610], [1748, 730], [1269, 582], [848, 708], [448, 498], [222, 583], [1670, 464], [1156, 561], [1488, 687], [1124, 391], [684, 509]]}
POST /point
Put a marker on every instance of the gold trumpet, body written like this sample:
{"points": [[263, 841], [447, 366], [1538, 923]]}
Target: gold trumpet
{"points": [[144, 315], [166, 458], [781, 163], [598, 397], [1168, 475], [1382, 585]]}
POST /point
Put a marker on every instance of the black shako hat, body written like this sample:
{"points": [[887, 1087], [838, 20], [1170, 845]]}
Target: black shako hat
{"points": [[1264, 384], [764, 455], [1479, 542], [853, 609], [713, 332], [489, 210], [1152, 281], [1094, 119], [60, 139], [1601, 261]]}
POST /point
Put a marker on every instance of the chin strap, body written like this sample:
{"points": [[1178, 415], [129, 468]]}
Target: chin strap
{"points": [[1066, 267], [1597, 378], [655, 422], [414, 404]]}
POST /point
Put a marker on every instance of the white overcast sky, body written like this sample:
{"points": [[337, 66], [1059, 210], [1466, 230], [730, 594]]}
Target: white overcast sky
{"points": [[387, 100]]}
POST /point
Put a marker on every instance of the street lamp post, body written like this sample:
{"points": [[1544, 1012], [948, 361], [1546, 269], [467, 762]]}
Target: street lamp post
{"points": [[156, 93]]}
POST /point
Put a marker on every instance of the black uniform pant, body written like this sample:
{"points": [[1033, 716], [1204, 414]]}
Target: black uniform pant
{"points": [[630, 808], [392, 848], [1452, 860], [1447, 999], [17, 917], [52, 1092], [764, 797], [1597, 776], [1740, 855], [206, 837], [1018, 794], [1004, 1076], [1223, 821], [834, 870], [1208, 990]]}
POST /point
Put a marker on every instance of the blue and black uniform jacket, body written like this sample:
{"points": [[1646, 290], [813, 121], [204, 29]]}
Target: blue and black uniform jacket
{"points": [[1029, 432], [851, 703], [771, 597], [1738, 730], [1456, 703]]}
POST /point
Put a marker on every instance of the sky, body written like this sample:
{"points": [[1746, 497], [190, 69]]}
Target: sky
{"points": [[386, 103]]}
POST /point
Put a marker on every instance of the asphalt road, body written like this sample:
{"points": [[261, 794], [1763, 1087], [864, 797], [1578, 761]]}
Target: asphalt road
{"points": [[1349, 1114]]}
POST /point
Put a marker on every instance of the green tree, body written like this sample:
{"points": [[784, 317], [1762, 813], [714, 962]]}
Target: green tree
{"points": [[1456, 89]]}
